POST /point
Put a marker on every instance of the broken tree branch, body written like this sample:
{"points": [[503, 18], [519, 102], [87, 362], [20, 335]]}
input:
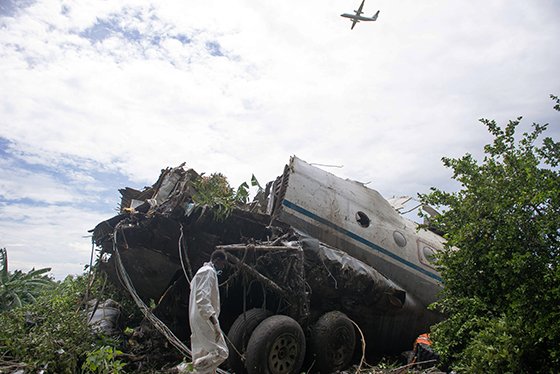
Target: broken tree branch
{"points": [[261, 278]]}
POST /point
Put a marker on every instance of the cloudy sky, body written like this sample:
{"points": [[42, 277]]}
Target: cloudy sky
{"points": [[99, 95]]}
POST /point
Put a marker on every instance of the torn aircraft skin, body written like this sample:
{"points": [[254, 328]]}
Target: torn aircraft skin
{"points": [[308, 256]]}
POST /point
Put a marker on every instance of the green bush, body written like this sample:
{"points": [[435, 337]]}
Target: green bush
{"points": [[501, 270], [495, 348], [18, 288], [215, 192], [53, 334], [103, 361]]}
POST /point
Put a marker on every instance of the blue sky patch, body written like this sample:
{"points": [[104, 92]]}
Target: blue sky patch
{"points": [[214, 48], [106, 182], [104, 29], [184, 39], [9, 8]]}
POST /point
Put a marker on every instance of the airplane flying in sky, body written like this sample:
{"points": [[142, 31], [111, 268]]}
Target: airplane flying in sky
{"points": [[358, 17]]}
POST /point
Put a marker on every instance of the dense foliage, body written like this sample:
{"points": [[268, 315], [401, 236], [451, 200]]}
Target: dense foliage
{"points": [[52, 334], [18, 288], [214, 191], [501, 270]]}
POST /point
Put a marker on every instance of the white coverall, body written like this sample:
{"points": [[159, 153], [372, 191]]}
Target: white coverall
{"points": [[208, 346]]}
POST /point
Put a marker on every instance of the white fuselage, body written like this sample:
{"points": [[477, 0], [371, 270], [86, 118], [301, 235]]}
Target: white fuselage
{"points": [[359, 221], [356, 17]]}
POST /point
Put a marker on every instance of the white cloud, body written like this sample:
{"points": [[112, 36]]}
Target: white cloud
{"points": [[238, 87], [47, 236], [18, 184]]}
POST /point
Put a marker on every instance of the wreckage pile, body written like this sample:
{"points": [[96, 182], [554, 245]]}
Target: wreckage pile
{"points": [[165, 232]]}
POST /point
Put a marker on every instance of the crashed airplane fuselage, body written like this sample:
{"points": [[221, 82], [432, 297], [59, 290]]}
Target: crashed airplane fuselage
{"points": [[358, 220], [316, 249]]}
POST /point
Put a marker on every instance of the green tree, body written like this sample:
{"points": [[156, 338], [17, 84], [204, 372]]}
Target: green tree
{"points": [[52, 334], [19, 288], [215, 192], [500, 270]]}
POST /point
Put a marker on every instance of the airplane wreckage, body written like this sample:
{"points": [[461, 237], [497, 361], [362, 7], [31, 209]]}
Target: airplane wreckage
{"points": [[327, 254]]}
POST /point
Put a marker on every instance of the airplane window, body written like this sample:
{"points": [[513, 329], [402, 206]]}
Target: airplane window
{"points": [[399, 238], [429, 253], [363, 219]]}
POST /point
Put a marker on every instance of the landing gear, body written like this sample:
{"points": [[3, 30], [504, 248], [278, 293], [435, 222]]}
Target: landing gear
{"points": [[332, 342], [277, 346], [239, 334]]}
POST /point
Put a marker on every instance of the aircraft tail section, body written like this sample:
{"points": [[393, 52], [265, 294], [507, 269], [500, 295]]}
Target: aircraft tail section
{"points": [[374, 18]]}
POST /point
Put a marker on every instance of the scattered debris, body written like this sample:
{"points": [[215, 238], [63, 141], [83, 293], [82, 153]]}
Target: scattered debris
{"points": [[104, 316], [311, 253]]}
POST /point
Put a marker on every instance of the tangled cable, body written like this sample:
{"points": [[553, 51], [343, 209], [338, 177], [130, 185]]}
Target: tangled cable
{"points": [[156, 322]]}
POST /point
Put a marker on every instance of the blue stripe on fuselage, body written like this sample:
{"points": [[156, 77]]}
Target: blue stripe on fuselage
{"points": [[358, 238]]}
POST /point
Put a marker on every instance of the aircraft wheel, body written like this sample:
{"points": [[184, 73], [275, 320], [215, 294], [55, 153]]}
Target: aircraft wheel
{"points": [[332, 342], [277, 346], [239, 334]]}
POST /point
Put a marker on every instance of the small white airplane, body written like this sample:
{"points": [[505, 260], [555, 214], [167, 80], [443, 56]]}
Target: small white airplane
{"points": [[358, 17]]}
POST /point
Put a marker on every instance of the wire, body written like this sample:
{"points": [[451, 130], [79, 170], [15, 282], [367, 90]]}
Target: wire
{"points": [[363, 346], [156, 322], [181, 257]]}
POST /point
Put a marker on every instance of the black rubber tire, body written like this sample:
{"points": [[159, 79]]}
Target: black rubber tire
{"points": [[332, 342], [239, 334], [277, 346]]}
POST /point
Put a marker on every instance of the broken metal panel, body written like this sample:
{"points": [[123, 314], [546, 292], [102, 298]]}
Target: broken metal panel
{"points": [[168, 185], [337, 278], [129, 194], [174, 182], [347, 215], [240, 226], [103, 316], [150, 272], [173, 187], [399, 203]]}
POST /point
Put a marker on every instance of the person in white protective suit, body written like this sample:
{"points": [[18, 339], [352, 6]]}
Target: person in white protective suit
{"points": [[208, 345]]}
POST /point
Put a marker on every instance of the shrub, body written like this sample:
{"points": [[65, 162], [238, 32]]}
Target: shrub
{"points": [[502, 278], [53, 333]]}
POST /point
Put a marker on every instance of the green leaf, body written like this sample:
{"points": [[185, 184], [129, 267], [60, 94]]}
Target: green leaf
{"points": [[255, 182], [504, 224]]}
